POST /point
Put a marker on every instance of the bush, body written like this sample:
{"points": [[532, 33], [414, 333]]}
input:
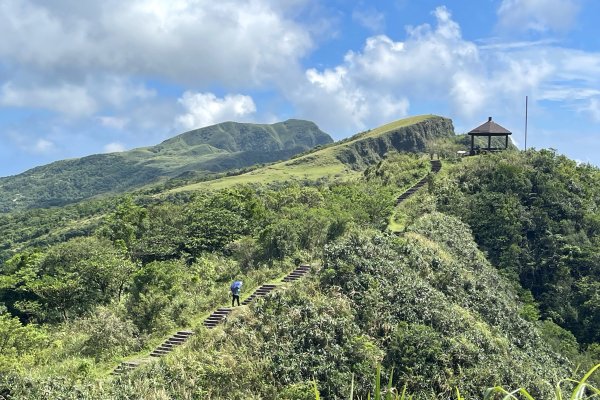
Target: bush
{"points": [[107, 334]]}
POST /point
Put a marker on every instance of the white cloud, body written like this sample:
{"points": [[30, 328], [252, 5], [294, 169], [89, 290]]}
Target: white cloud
{"points": [[113, 122], [537, 15], [68, 99], [42, 146], [436, 65], [204, 109], [370, 19], [114, 147], [567, 93], [593, 109], [378, 83], [189, 41], [36, 146]]}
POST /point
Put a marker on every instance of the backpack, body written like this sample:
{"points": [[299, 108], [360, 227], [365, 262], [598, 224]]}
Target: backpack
{"points": [[236, 287]]}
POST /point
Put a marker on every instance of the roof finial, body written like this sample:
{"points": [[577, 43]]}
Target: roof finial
{"points": [[489, 119]]}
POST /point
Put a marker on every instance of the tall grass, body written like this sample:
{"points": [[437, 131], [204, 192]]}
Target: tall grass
{"points": [[583, 390]]}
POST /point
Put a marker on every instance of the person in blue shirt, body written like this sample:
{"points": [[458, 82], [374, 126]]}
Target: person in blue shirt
{"points": [[236, 288]]}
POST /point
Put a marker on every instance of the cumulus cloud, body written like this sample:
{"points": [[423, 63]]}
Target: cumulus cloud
{"points": [[537, 15], [68, 99], [378, 83], [114, 147], [203, 109], [436, 65], [182, 40]]}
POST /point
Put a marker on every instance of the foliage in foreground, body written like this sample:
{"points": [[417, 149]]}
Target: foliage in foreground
{"points": [[426, 304], [582, 390]]}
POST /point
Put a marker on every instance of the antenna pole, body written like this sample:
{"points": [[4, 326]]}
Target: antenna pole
{"points": [[526, 101]]}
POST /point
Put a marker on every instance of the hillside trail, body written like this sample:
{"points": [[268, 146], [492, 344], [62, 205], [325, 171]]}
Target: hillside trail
{"points": [[436, 165], [216, 317], [220, 314]]}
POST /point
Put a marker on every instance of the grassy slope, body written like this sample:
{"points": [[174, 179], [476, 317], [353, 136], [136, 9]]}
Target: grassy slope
{"points": [[207, 150], [325, 163], [70, 221]]}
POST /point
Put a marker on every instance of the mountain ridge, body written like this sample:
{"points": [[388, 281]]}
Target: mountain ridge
{"points": [[346, 157], [211, 149]]}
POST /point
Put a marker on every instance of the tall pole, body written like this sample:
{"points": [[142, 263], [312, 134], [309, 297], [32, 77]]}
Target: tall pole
{"points": [[526, 98]]}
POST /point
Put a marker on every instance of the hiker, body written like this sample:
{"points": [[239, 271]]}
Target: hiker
{"points": [[236, 288]]}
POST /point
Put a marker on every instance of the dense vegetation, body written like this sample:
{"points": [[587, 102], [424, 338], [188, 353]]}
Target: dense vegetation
{"points": [[490, 279], [201, 152], [537, 216]]}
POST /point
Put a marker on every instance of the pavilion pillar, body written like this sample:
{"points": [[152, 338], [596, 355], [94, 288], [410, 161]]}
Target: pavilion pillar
{"points": [[489, 143], [506, 143], [472, 144]]}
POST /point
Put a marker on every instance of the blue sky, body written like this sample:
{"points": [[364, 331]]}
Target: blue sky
{"points": [[78, 78]]}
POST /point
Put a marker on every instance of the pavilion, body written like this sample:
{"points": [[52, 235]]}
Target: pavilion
{"points": [[489, 129]]}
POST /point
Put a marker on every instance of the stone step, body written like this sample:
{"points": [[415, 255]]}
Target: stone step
{"points": [[263, 289], [159, 352], [213, 320], [217, 316], [130, 364], [178, 336]]}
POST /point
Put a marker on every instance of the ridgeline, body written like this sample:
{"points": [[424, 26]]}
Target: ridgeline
{"points": [[199, 153]]}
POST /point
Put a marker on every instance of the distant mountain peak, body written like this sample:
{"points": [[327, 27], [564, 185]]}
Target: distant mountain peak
{"points": [[215, 148]]}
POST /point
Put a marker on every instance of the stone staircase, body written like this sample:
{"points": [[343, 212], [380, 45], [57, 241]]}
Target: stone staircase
{"points": [[297, 273], [176, 340], [436, 165], [125, 366], [217, 316]]}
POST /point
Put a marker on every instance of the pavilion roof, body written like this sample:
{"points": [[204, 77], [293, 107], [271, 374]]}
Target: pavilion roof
{"points": [[490, 128]]}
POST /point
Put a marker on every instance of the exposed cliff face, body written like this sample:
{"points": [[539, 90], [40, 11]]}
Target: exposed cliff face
{"points": [[411, 138]]}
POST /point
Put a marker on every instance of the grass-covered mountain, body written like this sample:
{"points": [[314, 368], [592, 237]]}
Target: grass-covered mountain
{"points": [[348, 157], [216, 148], [342, 160], [490, 278]]}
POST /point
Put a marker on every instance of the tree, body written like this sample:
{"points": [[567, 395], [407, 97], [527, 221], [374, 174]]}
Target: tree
{"points": [[126, 224], [156, 286], [280, 239], [73, 277]]}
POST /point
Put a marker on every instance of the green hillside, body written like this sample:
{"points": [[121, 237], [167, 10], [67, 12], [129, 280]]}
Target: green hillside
{"points": [[491, 279], [204, 151], [344, 159]]}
